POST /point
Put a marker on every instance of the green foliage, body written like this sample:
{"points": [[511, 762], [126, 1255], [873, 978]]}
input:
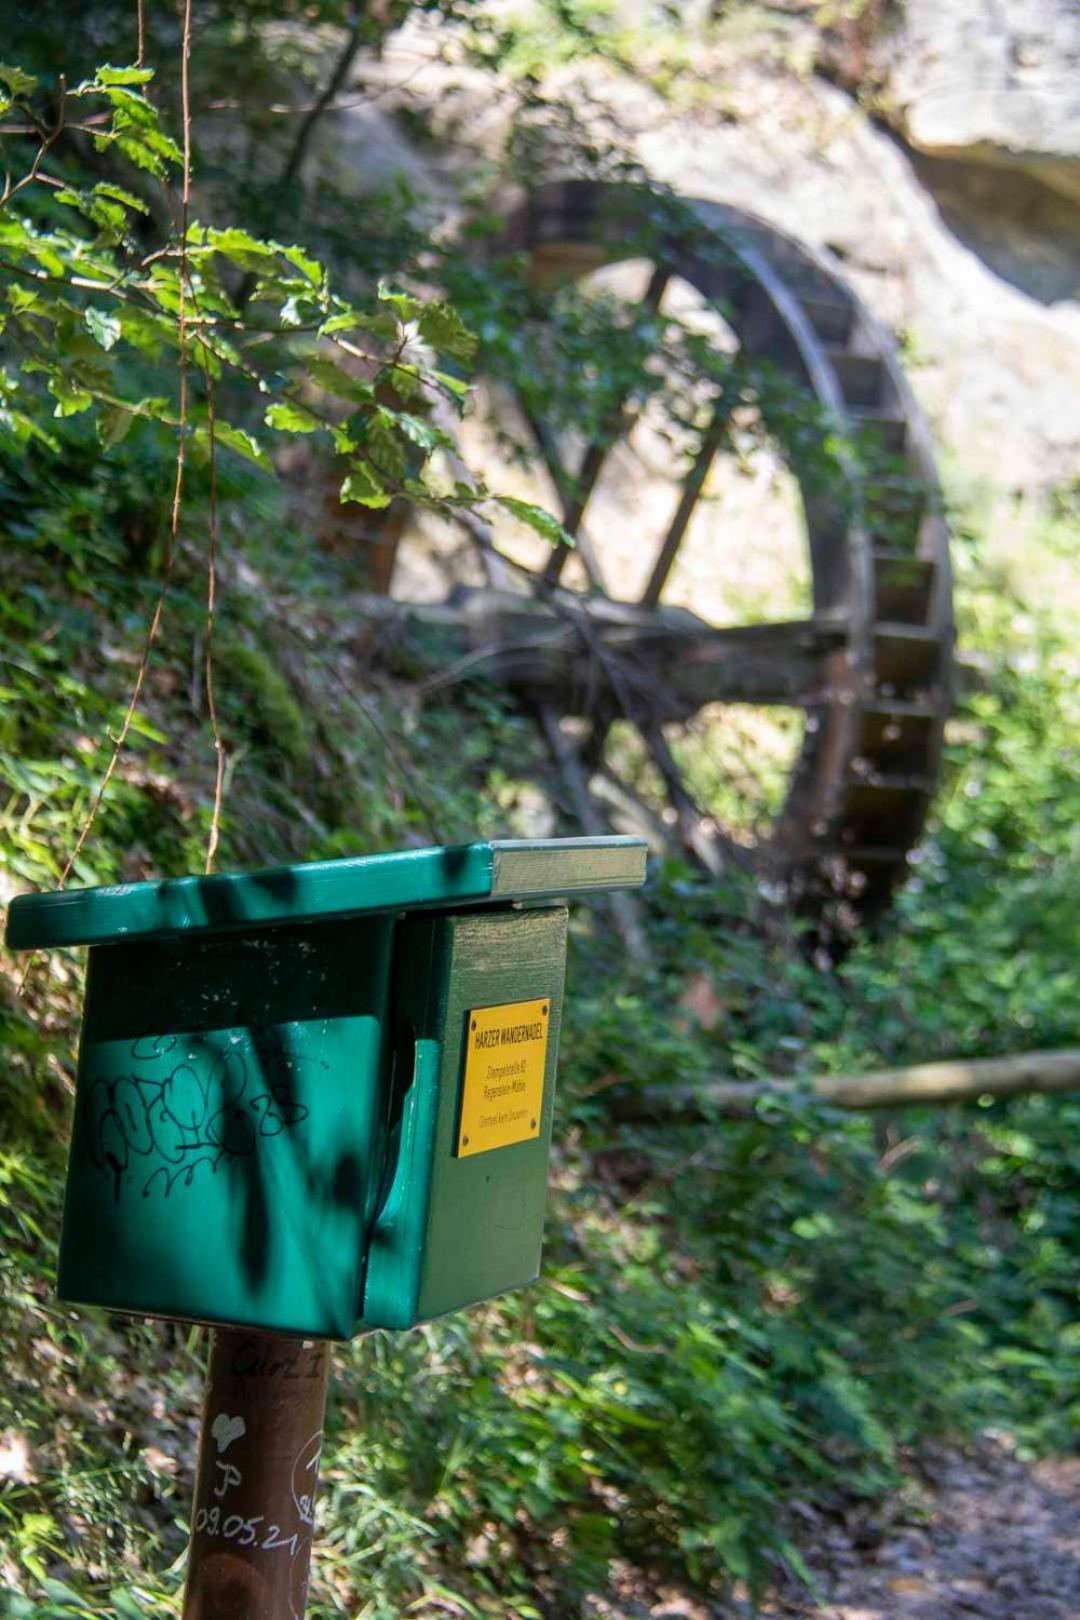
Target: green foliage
{"points": [[88, 314], [732, 1319], [256, 685]]}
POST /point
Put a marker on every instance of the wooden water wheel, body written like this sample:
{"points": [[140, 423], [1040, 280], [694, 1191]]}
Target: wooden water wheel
{"points": [[864, 672], [870, 667]]}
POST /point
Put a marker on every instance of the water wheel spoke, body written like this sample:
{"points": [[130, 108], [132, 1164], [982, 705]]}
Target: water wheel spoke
{"points": [[697, 834], [571, 506], [693, 484], [595, 742], [575, 493], [624, 908]]}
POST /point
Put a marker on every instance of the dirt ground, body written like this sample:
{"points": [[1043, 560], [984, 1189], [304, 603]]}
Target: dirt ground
{"points": [[1000, 1541], [975, 1535]]}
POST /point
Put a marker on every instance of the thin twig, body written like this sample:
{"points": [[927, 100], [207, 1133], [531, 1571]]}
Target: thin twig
{"points": [[47, 143], [211, 622], [281, 109], [140, 22], [323, 101], [298, 152]]}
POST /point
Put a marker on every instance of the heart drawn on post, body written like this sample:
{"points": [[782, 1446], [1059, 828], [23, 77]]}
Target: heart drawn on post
{"points": [[227, 1429]]}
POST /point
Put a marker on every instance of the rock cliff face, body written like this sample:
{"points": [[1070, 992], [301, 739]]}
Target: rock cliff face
{"points": [[994, 81], [976, 270]]}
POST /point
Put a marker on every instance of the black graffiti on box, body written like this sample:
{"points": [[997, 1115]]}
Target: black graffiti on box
{"points": [[154, 1127]]}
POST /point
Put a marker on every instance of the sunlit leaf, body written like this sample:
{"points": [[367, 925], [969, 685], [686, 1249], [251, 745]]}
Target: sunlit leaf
{"points": [[444, 329], [305, 263], [243, 443], [149, 333], [13, 233], [364, 487], [23, 299], [108, 188], [109, 75], [17, 81], [71, 398], [288, 417], [405, 307], [420, 431], [104, 327], [537, 519]]}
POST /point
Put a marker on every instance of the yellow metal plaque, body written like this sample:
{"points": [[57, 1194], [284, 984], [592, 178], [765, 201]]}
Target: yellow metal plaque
{"points": [[505, 1057]]}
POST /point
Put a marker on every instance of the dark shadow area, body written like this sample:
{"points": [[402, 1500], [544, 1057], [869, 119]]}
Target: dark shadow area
{"points": [[1024, 232], [230, 1086]]}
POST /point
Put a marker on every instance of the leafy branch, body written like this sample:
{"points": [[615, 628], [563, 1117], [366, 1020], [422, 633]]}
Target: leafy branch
{"points": [[84, 309]]}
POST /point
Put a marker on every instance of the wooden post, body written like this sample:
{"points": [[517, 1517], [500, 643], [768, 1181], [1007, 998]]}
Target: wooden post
{"points": [[253, 1516]]}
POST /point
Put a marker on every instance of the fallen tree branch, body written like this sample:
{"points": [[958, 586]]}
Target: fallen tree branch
{"points": [[888, 1088]]}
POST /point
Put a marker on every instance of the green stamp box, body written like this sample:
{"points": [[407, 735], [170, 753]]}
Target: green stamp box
{"points": [[318, 1099]]}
